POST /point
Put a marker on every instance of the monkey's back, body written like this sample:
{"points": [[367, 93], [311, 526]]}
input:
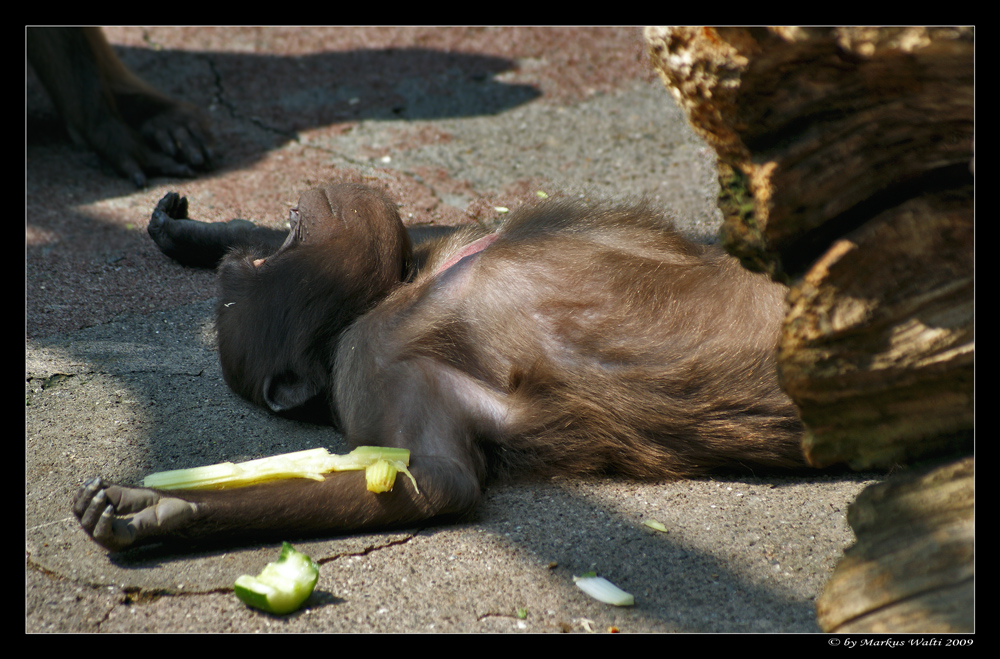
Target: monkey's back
{"points": [[614, 344]]}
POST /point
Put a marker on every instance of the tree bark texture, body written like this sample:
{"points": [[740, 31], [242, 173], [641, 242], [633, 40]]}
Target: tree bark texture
{"points": [[846, 166], [845, 163], [913, 567]]}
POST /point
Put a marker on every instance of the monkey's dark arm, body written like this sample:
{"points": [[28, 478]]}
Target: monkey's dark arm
{"points": [[203, 244], [441, 462], [119, 517]]}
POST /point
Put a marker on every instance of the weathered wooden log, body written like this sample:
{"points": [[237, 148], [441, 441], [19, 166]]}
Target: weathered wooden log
{"points": [[878, 347], [846, 170], [913, 567], [818, 129]]}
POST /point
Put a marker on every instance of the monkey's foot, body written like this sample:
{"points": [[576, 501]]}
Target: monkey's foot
{"points": [[172, 140], [180, 131], [159, 137], [120, 517]]}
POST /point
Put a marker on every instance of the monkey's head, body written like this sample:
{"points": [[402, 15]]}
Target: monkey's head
{"points": [[280, 315]]}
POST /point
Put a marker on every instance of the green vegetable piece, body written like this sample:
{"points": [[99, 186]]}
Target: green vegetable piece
{"points": [[311, 463], [282, 586], [380, 476]]}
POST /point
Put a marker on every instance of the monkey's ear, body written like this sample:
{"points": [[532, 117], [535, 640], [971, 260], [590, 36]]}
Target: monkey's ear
{"points": [[288, 391]]}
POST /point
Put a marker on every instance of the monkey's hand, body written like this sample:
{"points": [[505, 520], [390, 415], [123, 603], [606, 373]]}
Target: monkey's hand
{"points": [[163, 223], [185, 240], [120, 517], [203, 244], [171, 206]]}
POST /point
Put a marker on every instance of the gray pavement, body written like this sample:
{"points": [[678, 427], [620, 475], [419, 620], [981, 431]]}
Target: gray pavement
{"points": [[122, 378]]}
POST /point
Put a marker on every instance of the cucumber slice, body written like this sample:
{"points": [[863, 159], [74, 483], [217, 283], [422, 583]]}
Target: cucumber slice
{"points": [[282, 586]]}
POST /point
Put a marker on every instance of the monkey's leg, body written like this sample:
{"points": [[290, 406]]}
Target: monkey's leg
{"points": [[134, 127], [203, 244]]}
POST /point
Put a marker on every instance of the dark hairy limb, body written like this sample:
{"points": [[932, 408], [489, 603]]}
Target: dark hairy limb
{"points": [[132, 126], [118, 517], [204, 244]]}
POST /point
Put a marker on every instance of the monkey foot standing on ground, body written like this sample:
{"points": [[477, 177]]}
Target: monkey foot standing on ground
{"points": [[106, 107]]}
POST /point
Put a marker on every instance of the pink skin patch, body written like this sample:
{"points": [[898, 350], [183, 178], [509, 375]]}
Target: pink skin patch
{"points": [[470, 249], [474, 247]]}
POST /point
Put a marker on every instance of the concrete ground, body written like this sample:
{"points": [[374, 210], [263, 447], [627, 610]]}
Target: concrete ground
{"points": [[122, 378]]}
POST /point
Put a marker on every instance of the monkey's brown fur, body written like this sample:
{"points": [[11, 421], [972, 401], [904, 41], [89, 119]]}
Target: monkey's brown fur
{"points": [[577, 339]]}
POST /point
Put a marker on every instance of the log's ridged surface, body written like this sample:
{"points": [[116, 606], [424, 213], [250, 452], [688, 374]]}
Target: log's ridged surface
{"points": [[845, 162], [846, 165], [811, 123], [878, 347], [913, 567]]}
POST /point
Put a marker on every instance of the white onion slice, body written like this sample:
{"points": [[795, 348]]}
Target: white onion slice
{"points": [[603, 590]]}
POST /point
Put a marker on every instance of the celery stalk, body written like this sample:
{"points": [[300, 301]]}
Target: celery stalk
{"points": [[312, 463]]}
